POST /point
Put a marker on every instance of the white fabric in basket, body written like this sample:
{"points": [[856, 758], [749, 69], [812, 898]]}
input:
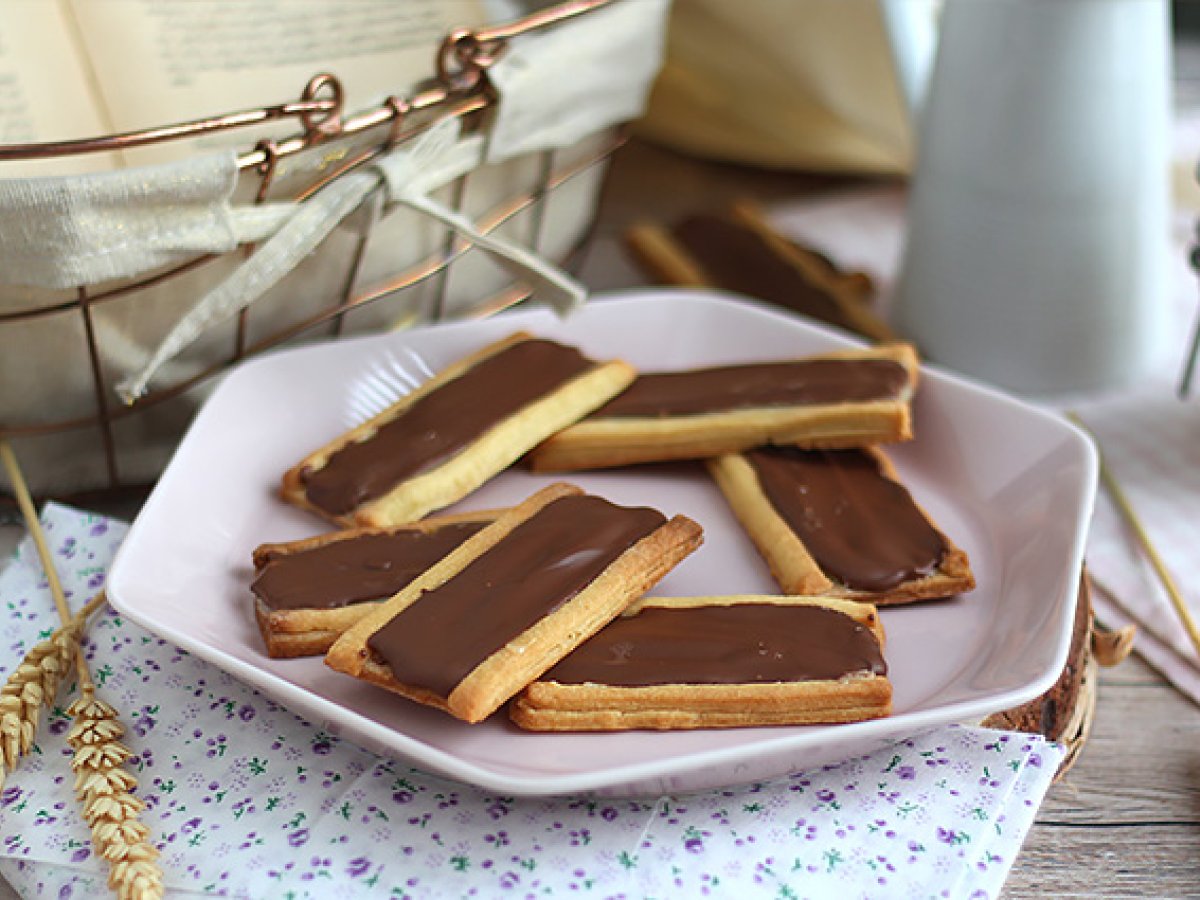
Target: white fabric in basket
{"points": [[557, 84], [63, 231], [556, 88]]}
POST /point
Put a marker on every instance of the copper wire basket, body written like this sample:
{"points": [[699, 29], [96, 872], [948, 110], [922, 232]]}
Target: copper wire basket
{"points": [[415, 294]]}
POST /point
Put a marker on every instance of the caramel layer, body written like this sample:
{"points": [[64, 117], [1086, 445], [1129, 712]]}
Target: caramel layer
{"points": [[861, 528], [757, 385], [743, 643], [539, 566], [442, 423], [354, 570]]}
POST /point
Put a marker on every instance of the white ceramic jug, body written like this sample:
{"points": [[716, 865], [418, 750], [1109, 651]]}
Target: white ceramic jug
{"points": [[1037, 248]]}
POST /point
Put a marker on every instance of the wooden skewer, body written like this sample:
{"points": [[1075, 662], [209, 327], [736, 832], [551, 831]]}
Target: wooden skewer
{"points": [[1143, 538], [29, 513]]}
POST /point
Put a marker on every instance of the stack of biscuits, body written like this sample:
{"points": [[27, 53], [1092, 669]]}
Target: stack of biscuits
{"points": [[543, 608]]}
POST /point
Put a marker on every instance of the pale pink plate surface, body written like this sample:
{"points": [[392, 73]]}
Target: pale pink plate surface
{"points": [[1009, 483]]}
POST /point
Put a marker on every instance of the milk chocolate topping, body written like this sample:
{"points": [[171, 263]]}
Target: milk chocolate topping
{"points": [[442, 423], [757, 385], [736, 644], [860, 527], [737, 258], [540, 565], [369, 567]]}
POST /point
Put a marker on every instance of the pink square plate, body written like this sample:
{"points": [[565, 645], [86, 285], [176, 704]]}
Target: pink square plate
{"points": [[1010, 483]]}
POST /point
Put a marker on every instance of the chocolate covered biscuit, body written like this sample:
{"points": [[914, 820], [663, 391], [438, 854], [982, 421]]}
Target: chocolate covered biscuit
{"points": [[513, 600], [846, 398], [717, 662], [840, 523], [445, 439], [307, 592], [741, 251]]}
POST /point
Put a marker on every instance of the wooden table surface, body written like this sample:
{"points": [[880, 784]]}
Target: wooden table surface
{"points": [[1125, 820]]}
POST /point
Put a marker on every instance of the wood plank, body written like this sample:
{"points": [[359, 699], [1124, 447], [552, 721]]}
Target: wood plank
{"points": [[1095, 863], [647, 181], [1140, 763], [1125, 821]]}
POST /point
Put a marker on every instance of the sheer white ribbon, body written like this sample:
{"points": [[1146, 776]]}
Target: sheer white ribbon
{"points": [[406, 176]]}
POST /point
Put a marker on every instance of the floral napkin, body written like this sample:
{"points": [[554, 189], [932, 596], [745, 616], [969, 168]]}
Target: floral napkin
{"points": [[245, 799]]}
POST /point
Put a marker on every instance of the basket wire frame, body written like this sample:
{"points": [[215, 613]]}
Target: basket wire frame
{"points": [[461, 90]]}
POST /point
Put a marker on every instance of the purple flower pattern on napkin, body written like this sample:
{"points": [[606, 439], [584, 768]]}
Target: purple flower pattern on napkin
{"points": [[246, 799]]}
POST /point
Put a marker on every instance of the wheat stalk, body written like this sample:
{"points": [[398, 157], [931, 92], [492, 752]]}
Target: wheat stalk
{"points": [[103, 788], [33, 686], [104, 791]]}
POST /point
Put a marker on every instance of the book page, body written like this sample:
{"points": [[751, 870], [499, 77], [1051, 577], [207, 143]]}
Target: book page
{"points": [[44, 90], [164, 61]]}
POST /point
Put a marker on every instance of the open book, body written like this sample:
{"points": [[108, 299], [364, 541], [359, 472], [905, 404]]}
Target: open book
{"points": [[83, 68]]}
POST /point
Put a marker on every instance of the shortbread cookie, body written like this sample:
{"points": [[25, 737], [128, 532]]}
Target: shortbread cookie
{"points": [[308, 592], [839, 522], [845, 398], [717, 662], [445, 439], [513, 600], [741, 251]]}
